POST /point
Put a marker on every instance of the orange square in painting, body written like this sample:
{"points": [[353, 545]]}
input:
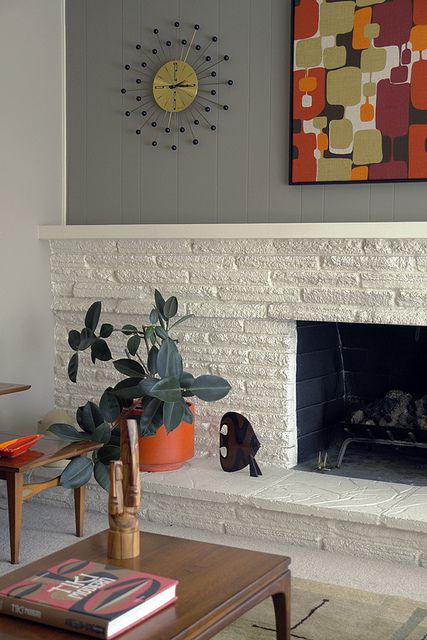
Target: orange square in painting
{"points": [[322, 141], [417, 151], [307, 84], [419, 84], [420, 12], [361, 19], [359, 173], [418, 37]]}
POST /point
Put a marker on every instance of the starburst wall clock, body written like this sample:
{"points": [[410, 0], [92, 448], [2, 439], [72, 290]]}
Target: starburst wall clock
{"points": [[177, 90]]}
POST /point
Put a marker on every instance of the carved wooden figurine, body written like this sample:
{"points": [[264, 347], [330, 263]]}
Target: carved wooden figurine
{"points": [[124, 496], [240, 442]]}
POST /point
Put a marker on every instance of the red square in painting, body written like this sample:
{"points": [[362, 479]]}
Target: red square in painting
{"points": [[420, 12]]}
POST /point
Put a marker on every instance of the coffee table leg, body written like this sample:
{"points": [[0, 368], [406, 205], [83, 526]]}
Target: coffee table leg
{"points": [[15, 483], [79, 509], [282, 609]]}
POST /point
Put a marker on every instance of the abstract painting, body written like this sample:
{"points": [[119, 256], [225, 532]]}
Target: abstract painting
{"points": [[359, 91]]}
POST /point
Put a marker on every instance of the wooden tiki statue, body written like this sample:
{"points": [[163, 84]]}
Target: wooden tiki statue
{"points": [[240, 442], [124, 496]]}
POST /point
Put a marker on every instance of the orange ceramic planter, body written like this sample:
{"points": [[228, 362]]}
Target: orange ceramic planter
{"points": [[167, 451]]}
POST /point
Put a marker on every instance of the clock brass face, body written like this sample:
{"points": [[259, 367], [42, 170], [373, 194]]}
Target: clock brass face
{"points": [[175, 86]]}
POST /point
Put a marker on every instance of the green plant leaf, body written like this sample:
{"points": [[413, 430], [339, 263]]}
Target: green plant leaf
{"points": [[76, 473], [171, 307], [92, 316], [128, 388], [159, 301], [115, 437], [150, 334], [210, 388], [106, 330], [102, 433], [73, 367], [107, 453], [145, 423], [133, 344], [87, 337], [160, 331], [89, 417], [109, 405], [167, 390], [102, 475], [188, 416], [74, 339], [68, 432], [154, 316], [183, 319], [173, 413], [129, 367], [129, 329], [186, 379], [152, 360], [146, 385], [100, 350], [169, 361]]}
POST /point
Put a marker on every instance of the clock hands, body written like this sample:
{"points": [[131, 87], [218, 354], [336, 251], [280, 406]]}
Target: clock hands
{"points": [[174, 86]]}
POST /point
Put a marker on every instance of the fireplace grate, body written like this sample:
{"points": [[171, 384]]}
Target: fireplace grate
{"points": [[373, 434]]}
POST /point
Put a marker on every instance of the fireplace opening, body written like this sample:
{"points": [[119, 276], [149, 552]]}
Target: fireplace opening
{"points": [[361, 400]]}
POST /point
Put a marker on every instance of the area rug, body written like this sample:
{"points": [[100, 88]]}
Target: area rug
{"points": [[327, 612]]}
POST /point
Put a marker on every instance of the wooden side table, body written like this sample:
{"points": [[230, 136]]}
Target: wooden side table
{"points": [[12, 470]]}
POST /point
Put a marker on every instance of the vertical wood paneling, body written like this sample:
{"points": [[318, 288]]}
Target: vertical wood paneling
{"points": [[381, 203], [347, 203], [233, 125], [198, 165], [285, 201], [76, 112], [239, 173], [104, 110], [312, 203], [159, 181], [259, 124], [410, 201], [130, 142]]}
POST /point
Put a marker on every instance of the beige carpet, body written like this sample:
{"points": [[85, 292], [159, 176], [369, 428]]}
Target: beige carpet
{"points": [[326, 612]]}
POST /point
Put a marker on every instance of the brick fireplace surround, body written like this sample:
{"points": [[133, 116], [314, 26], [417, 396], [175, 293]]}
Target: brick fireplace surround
{"points": [[246, 295]]}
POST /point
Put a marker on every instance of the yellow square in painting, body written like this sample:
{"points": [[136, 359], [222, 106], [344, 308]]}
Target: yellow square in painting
{"points": [[334, 57], [340, 134], [368, 147], [369, 89], [373, 60], [368, 3], [333, 170], [344, 86], [371, 31], [308, 53], [336, 17], [321, 122]]}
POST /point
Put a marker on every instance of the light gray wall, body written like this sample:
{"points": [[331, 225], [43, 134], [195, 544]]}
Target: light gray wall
{"points": [[30, 194], [238, 175]]}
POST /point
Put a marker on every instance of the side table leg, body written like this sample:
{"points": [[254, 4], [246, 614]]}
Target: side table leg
{"points": [[15, 483], [79, 509], [282, 609]]}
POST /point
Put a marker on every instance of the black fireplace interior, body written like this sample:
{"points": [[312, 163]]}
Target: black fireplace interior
{"points": [[343, 367]]}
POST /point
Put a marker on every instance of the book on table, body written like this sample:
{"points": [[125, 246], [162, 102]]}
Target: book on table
{"points": [[95, 599]]}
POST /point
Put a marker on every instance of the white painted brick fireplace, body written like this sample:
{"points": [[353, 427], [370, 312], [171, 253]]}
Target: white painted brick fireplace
{"points": [[246, 295]]}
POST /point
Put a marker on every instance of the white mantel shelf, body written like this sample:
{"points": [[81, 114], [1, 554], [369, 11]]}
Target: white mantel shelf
{"points": [[237, 231]]}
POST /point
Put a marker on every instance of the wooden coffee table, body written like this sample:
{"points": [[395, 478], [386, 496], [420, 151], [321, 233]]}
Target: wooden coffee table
{"points": [[12, 470], [217, 584]]}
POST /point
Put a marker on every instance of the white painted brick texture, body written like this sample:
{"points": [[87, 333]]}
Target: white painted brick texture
{"points": [[245, 295]]}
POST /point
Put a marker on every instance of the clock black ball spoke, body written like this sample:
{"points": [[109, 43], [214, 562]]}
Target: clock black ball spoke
{"points": [[175, 94]]}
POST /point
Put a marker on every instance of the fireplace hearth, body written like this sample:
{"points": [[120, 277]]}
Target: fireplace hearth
{"points": [[361, 399]]}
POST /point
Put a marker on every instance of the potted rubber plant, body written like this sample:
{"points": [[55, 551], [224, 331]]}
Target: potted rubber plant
{"points": [[155, 390]]}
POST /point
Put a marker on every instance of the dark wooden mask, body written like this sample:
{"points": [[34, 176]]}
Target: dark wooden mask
{"points": [[241, 444]]}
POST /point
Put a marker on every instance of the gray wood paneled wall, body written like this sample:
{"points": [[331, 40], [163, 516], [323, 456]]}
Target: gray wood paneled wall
{"points": [[238, 174]]}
